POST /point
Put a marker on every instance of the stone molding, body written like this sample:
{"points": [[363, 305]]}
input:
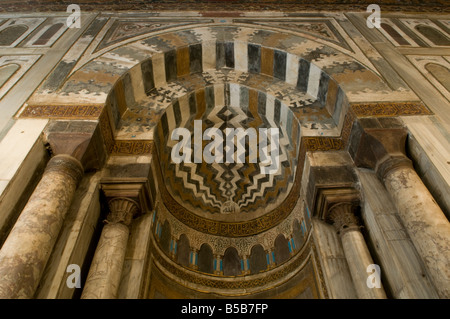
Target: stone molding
{"points": [[328, 199], [67, 165]]}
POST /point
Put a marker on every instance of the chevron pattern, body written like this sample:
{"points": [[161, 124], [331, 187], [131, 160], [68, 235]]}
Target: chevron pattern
{"points": [[229, 188]]}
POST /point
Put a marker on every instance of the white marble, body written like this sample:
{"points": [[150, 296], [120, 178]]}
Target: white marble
{"points": [[16, 145]]}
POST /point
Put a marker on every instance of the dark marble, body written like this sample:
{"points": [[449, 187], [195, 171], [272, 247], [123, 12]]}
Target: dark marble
{"points": [[262, 97], [220, 55], [229, 54], [244, 98], [277, 110], [434, 35], [394, 34], [195, 57], [209, 97], [147, 75], [192, 104], [303, 75], [46, 36], [11, 34], [57, 77], [279, 65], [170, 62], [128, 90], [177, 113], [165, 125], [338, 106], [323, 88], [254, 58]]}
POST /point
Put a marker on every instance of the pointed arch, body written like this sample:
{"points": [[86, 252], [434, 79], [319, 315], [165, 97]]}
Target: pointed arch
{"points": [[231, 262], [206, 259]]}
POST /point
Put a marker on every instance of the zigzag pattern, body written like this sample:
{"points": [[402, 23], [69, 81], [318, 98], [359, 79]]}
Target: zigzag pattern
{"points": [[209, 187]]}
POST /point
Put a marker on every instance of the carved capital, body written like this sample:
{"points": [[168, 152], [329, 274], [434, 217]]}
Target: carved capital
{"points": [[136, 189], [342, 216], [328, 197], [122, 210]]}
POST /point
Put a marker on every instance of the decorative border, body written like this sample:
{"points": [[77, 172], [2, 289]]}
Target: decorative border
{"points": [[234, 8], [63, 111], [131, 147], [389, 109], [320, 275], [106, 130], [188, 275]]}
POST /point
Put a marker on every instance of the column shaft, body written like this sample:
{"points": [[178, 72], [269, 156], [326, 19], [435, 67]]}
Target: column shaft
{"points": [[27, 249], [358, 259], [425, 223], [355, 249], [106, 268]]}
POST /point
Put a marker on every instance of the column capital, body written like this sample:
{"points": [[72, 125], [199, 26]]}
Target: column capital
{"points": [[326, 198], [135, 189], [77, 138], [122, 210], [342, 216], [382, 149]]}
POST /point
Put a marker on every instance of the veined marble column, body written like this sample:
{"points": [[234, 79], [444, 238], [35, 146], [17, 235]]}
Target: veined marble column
{"points": [[383, 149], [27, 249], [355, 249], [106, 268], [423, 219]]}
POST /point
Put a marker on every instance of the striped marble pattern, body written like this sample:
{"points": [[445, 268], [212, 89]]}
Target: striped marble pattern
{"points": [[162, 74], [258, 77], [248, 49], [209, 186]]}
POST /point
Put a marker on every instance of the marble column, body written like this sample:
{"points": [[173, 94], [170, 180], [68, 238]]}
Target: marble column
{"points": [[218, 265], [270, 255], [425, 222], [355, 249], [27, 249], [106, 268], [173, 247], [193, 258], [383, 149], [245, 261]]}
